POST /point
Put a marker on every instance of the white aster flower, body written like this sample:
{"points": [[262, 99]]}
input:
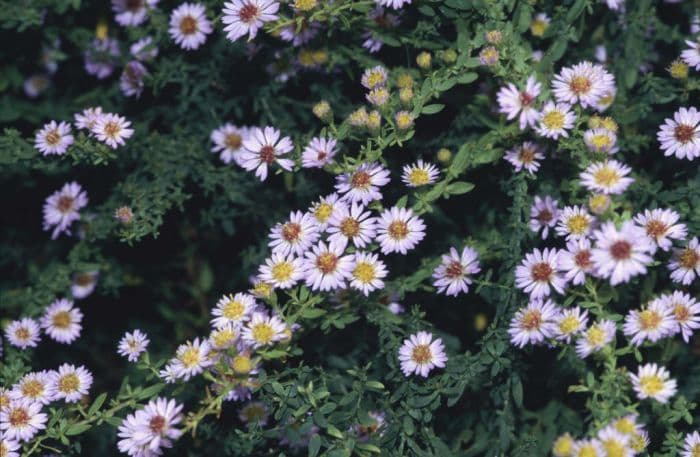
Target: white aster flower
{"points": [[595, 338], [62, 208], [224, 337], [576, 261], [526, 156], [228, 142], [157, 421], [555, 119], [132, 345], [71, 382], [233, 309], [539, 272], [281, 271], [295, 236], [323, 210], [54, 138], [144, 50], [512, 102], [319, 152], [61, 321], [691, 56], [574, 223], [609, 177], [615, 443], [189, 25], [399, 230], [131, 13], [20, 420], [112, 130], [362, 185], [419, 174], [36, 387], [83, 284], [262, 148], [588, 448], [453, 275], [569, 323], [351, 223], [367, 272], [242, 17], [691, 445], [680, 136], [326, 268], [584, 83], [191, 359], [661, 226], [87, 119], [263, 330], [653, 381], [653, 322], [685, 263], [374, 77], [23, 333], [8, 447], [621, 254], [544, 214], [601, 140], [686, 312], [533, 323], [419, 354]]}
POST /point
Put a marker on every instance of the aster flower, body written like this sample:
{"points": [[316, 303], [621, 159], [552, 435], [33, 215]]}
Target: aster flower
{"points": [[131, 13], [36, 85], [621, 254], [653, 322], [555, 119], [157, 421], [242, 17], [61, 321], [540, 23], [569, 323], [362, 185], [653, 381], [262, 148], [601, 140], [588, 448], [691, 56], [191, 359], [189, 25], [367, 272], [324, 209], [533, 323], [419, 354], [576, 261], [83, 284], [609, 177], [374, 77], [615, 442], [132, 345], [62, 208], [574, 223], [691, 445], [112, 130], [88, 118], [20, 420], [223, 338], [23, 333], [101, 57], [563, 446], [254, 412], [419, 174], [395, 4], [595, 337], [131, 80], [680, 136], [53, 138], [396, 308], [233, 309], [35, 387], [8, 447], [453, 275], [71, 382], [263, 330], [295, 236], [685, 264], [228, 142], [281, 271], [326, 267], [584, 83], [685, 310], [512, 102], [539, 272], [300, 36], [399, 230], [351, 223], [144, 49], [661, 226], [526, 156], [379, 96], [319, 153], [544, 214]]}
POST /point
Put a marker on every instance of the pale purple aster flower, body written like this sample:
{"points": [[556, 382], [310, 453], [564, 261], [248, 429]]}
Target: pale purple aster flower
{"points": [[526, 156], [367, 272], [54, 138], [61, 321], [686, 312], [23, 333], [20, 420], [575, 261], [399, 230], [601, 140], [87, 119], [62, 208], [533, 323], [661, 226], [262, 148], [242, 17], [539, 272], [691, 56], [454, 274], [555, 119], [296, 235], [362, 185], [326, 268], [191, 359], [83, 284], [263, 330], [319, 152], [228, 142], [584, 83], [653, 322], [71, 382], [653, 381], [513, 102], [132, 345], [112, 130], [144, 50], [37, 386], [544, 214], [608, 177], [101, 57], [351, 223], [569, 323], [131, 13], [36, 85], [595, 338], [680, 136], [131, 80], [308, 31], [621, 254], [685, 263], [574, 223], [189, 25], [420, 353]]}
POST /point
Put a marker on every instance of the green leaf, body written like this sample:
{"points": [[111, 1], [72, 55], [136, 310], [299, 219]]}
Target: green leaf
{"points": [[467, 78], [314, 445], [97, 404], [460, 187], [432, 109], [77, 429]]}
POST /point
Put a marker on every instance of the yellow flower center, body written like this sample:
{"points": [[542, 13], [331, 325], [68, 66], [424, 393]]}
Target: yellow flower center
{"points": [[233, 141], [681, 313], [614, 448], [242, 364], [553, 120], [580, 84], [188, 25], [419, 177], [404, 120], [327, 262], [233, 310], [32, 388], [569, 324], [61, 319], [651, 384], [22, 333], [305, 5], [577, 224], [364, 272], [282, 271], [606, 177], [538, 27], [374, 79], [224, 337], [563, 446], [421, 354], [263, 333], [526, 155], [689, 259], [625, 426], [18, 417], [350, 227], [531, 320], [323, 211], [696, 451], [190, 357], [638, 443], [595, 336], [601, 142], [398, 230], [53, 137], [587, 450], [68, 383], [649, 320]]}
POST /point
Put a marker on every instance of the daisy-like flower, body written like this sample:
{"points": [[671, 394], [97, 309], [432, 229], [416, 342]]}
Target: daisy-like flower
{"points": [[323, 210], [584, 83], [224, 337], [326, 268], [526, 156], [101, 57], [83, 284], [399, 230], [601, 140], [362, 185], [539, 272], [691, 445], [691, 56], [653, 322], [263, 330], [294, 236], [144, 49], [569, 323], [54, 138], [35, 85], [262, 148], [533, 323], [191, 359], [512, 102], [254, 412], [281, 271], [233, 309], [128, 444], [189, 25], [351, 223], [661, 226], [247, 16], [367, 272], [614, 442], [112, 130], [61, 321], [539, 24], [35, 387], [419, 174], [563, 446], [71, 382], [228, 142], [544, 214], [576, 261], [379, 96], [130, 13], [23, 333], [87, 118], [131, 79], [621, 254], [167, 374], [419, 354], [555, 119], [595, 338], [374, 77], [395, 4], [62, 208], [453, 275], [680, 136], [574, 223], [132, 345], [8, 447], [686, 312], [685, 264], [653, 381], [20, 420], [609, 177], [588, 448], [319, 153], [157, 421]]}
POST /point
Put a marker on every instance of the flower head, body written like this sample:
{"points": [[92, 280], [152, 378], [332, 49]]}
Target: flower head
{"points": [[242, 17], [680, 136], [539, 272], [367, 272], [399, 230], [351, 223], [653, 322], [296, 235], [362, 185], [233, 309], [326, 268], [228, 142], [661, 226], [555, 119], [685, 310], [112, 130], [533, 323], [419, 354], [621, 254], [595, 338], [71, 382], [574, 223], [191, 359], [61, 321], [281, 271], [189, 25], [685, 264], [653, 381], [54, 138], [513, 102], [263, 330], [453, 275], [319, 153], [526, 156], [262, 148], [23, 333], [20, 420], [133, 344], [544, 214], [419, 174], [62, 208]]}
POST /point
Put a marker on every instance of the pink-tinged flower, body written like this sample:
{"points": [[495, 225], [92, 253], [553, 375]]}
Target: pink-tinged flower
{"points": [[262, 148], [621, 254], [295, 236], [576, 261], [419, 354], [680, 136], [399, 230], [189, 25], [62, 208], [454, 274], [653, 322], [130, 13], [685, 310], [54, 138], [352, 223], [544, 214], [147, 431], [526, 156], [661, 226], [512, 102], [691, 56], [326, 268], [242, 17], [569, 323], [533, 323], [539, 272], [23, 333], [555, 119], [132, 345], [131, 80], [61, 321], [72, 383], [319, 153], [362, 185], [228, 142], [112, 130], [653, 381], [685, 263], [609, 177], [584, 83], [36, 386], [20, 420], [595, 338], [88, 118], [574, 223]]}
